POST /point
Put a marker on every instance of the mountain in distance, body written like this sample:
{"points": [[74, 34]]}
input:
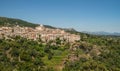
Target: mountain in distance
{"points": [[103, 33]]}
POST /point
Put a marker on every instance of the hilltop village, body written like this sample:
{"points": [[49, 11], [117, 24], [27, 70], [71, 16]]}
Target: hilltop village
{"points": [[46, 34]]}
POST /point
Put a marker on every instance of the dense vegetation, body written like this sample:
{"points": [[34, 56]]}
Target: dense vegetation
{"points": [[92, 53], [21, 54], [107, 60]]}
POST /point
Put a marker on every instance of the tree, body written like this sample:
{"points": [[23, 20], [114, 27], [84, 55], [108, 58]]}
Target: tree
{"points": [[50, 55]]}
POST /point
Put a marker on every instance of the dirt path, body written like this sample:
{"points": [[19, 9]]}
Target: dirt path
{"points": [[60, 66]]}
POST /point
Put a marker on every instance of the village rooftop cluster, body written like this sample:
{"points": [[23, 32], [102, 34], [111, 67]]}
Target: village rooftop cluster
{"points": [[45, 34]]}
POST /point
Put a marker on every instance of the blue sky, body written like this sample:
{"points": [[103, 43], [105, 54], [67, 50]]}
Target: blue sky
{"points": [[83, 15]]}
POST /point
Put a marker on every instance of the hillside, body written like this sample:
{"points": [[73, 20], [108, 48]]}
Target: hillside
{"points": [[4, 21], [91, 53], [103, 33]]}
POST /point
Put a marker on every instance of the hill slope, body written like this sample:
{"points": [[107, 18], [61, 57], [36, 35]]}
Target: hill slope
{"points": [[4, 21]]}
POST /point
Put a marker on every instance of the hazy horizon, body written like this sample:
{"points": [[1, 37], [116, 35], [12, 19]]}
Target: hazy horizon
{"points": [[82, 15]]}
